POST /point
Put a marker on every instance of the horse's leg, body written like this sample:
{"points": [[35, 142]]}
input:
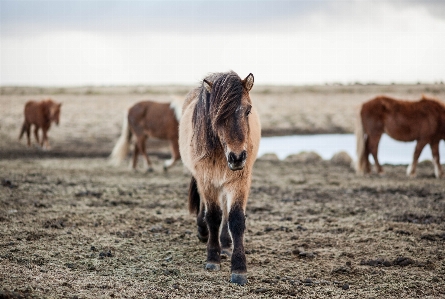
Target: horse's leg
{"points": [[436, 160], [28, 134], [141, 143], [225, 238], [174, 145], [135, 155], [203, 231], [411, 170], [237, 226], [366, 155], [373, 143], [213, 217], [36, 135], [45, 141]]}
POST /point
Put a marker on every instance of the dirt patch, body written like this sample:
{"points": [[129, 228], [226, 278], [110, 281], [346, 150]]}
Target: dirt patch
{"points": [[71, 226]]}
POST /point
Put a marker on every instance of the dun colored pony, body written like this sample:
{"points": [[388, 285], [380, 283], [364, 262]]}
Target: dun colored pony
{"points": [[219, 136], [149, 120], [40, 114], [423, 121]]}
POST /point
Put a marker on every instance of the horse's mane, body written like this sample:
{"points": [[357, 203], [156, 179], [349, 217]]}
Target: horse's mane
{"points": [[428, 98], [214, 108]]}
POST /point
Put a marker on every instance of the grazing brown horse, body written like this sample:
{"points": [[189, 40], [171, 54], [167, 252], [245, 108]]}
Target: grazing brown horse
{"points": [[423, 121], [145, 120], [219, 136], [40, 114]]}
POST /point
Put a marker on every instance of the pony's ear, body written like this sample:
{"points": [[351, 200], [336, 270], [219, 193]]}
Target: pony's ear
{"points": [[248, 82], [207, 85]]}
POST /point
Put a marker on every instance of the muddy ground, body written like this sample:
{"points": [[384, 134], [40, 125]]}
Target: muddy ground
{"points": [[71, 226]]}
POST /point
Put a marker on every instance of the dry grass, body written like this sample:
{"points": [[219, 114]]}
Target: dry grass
{"points": [[71, 226]]}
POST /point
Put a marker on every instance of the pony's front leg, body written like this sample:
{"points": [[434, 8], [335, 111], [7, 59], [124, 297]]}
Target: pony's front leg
{"points": [[237, 226], [436, 160], [45, 141], [411, 170], [213, 217]]}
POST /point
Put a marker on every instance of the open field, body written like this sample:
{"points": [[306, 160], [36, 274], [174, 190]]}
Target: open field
{"points": [[71, 226]]}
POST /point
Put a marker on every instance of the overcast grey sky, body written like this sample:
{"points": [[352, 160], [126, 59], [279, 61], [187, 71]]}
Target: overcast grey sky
{"points": [[281, 42]]}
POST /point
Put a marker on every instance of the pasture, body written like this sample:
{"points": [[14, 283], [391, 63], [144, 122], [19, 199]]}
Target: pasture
{"points": [[72, 226]]}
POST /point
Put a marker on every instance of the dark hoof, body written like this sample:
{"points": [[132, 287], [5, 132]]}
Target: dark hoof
{"points": [[203, 239], [149, 170], [227, 252], [213, 267], [239, 279]]}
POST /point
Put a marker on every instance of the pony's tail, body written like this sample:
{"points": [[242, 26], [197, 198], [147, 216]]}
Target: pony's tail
{"points": [[194, 199], [24, 128], [176, 105], [362, 159], [122, 146]]}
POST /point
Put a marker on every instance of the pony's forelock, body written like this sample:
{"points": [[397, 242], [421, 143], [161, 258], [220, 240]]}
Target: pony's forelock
{"points": [[213, 109]]}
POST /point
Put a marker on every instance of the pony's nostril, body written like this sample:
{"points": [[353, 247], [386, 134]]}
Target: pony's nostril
{"points": [[243, 156], [233, 158]]}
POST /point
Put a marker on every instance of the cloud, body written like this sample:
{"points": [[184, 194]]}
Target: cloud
{"points": [[148, 16], [281, 42]]}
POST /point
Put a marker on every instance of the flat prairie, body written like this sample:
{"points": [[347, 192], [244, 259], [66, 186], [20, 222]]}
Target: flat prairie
{"points": [[72, 226]]}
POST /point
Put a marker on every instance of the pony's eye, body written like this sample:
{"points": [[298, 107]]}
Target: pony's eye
{"points": [[248, 111]]}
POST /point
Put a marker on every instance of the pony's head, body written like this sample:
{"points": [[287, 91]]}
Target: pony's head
{"points": [[54, 111], [221, 118]]}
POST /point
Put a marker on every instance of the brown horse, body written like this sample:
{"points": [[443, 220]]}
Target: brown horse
{"points": [[423, 121], [40, 114], [219, 136], [149, 120]]}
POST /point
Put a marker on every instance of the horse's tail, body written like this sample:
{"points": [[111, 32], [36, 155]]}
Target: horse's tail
{"points": [[176, 105], [122, 146], [194, 199], [24, 129], [362, 159]]}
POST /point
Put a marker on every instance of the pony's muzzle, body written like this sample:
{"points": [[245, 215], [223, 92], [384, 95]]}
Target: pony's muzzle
{"points": [[236, 162]]}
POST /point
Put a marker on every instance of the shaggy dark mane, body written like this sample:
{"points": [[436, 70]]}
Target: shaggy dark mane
{"points": [[214, 108]]}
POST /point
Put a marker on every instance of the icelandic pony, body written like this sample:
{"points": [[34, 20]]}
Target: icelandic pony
{"points": [[423, 121], [40, 114], [219, 136], [145, 120]]}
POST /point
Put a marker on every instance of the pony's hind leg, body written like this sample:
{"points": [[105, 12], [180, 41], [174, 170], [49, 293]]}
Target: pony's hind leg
{"points": [[411, 170], [196, 205], [140, 148], [135, 156], [237, 226], [36, 135], [175, 154], [203, 231], [225, 238], [213, 217], [373, 146]]}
